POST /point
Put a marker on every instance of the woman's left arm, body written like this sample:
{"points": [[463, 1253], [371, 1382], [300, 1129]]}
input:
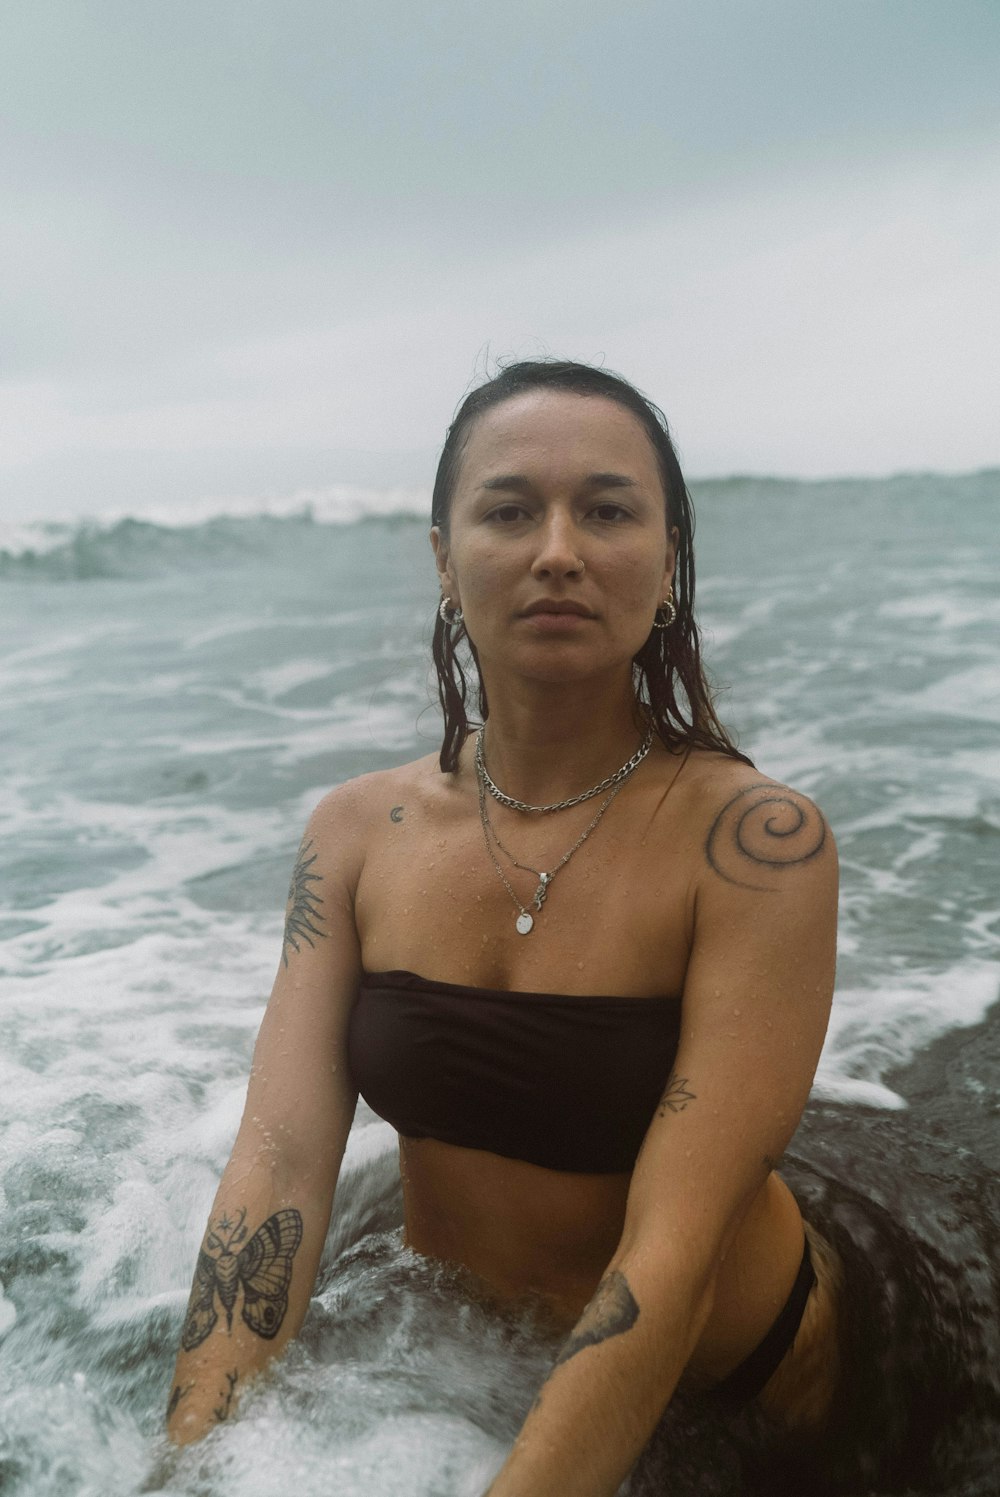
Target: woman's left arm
{"points": [[756, 1003]]}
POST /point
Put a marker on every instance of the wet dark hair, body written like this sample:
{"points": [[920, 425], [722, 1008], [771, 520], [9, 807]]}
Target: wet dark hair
{"points": [[669, 678]]}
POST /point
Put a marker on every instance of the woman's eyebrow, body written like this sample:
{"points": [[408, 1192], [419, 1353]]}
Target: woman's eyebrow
{"points": [[517, 483]]}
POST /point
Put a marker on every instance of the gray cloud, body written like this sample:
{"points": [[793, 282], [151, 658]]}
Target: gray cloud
{"points": [[236, 236]]}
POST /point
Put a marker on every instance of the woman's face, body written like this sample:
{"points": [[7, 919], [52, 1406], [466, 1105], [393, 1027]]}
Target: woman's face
{"points": [[558, 550]]}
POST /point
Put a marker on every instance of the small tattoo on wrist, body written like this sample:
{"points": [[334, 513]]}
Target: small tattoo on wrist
{"points": [[222, 1412]]}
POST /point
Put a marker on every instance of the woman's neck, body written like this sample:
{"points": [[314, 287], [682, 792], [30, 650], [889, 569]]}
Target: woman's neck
{"points": [[545, 744]]}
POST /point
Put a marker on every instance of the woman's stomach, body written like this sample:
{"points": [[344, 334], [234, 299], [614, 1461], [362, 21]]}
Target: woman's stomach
{"points": [[530, 1232], [524, 1230]]}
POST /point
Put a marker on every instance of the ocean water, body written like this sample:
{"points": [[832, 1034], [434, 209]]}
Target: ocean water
{"points": [[178, 693]]}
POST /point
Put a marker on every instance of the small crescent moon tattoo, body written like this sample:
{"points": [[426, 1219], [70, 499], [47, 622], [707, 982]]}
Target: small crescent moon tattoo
{"points": [[396, 814]]}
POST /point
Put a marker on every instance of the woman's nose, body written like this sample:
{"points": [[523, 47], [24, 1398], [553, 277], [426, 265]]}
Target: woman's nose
{"points": [[557, 554]]}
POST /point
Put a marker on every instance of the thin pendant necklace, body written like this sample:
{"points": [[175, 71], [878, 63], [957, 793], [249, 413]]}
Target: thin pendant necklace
{"points": [[525, 920], [619, 776]]}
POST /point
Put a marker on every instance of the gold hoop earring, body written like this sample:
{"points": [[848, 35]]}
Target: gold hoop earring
{"points": [[669, 606]]}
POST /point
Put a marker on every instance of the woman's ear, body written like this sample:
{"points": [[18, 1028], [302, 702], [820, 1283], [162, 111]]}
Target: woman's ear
{"points": [[442, 557]]}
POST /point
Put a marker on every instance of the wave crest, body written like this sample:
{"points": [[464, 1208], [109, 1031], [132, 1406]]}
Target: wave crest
{"points": [[158, 541]]}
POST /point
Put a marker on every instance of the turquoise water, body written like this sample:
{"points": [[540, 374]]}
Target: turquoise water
{"points": [[176, 699]]}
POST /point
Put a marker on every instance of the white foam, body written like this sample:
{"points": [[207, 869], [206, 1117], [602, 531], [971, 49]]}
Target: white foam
{"points": [[393, 1454], [971, 693], [180, 844], [875, 1031], [281, 679], [943, 612]]}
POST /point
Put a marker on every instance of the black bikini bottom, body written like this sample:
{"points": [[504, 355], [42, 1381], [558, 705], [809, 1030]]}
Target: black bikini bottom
{"points": [[747, 1380]]}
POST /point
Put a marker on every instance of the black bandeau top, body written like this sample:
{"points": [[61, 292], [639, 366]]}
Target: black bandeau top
{"points": [[570, 1083]]}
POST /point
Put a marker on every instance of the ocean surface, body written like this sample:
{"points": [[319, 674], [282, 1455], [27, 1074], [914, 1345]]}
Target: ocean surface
{"points": [[177, 693]]}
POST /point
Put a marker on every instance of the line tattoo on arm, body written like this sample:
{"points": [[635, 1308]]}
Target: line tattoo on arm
{"points": [[222, 1412], [676, 1097], [303, 917], [260, 1267], [611, 1312], [762, 831], [175, 1398]]}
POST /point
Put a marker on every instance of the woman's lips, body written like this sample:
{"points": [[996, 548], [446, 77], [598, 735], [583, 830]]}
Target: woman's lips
{"points": [[557, 621], [561, 606]]}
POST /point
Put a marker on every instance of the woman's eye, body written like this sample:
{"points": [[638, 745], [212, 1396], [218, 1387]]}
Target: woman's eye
{"points": [[610, 512], [507, 514]]}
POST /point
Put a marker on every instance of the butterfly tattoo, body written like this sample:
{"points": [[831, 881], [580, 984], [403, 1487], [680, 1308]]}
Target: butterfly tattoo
{"points": [[262, 1268]]}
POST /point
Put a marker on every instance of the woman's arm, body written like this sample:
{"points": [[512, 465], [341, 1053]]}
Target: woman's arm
{"points": [[756, 1004], [258, 1261]]}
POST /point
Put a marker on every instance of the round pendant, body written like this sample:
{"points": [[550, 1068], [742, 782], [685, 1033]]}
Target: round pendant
{"points": [[524, 923]]}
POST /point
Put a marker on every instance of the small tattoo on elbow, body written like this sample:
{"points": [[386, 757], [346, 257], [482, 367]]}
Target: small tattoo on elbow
{"points": [[611, 1312], [676, 1097]]}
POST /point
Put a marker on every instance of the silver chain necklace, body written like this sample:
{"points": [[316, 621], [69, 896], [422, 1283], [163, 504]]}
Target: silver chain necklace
{"points": [[560, 805], [525, 920]]}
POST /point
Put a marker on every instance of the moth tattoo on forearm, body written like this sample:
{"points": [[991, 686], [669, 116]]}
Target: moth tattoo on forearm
{"points": [[303, 918], [260, 1267]]}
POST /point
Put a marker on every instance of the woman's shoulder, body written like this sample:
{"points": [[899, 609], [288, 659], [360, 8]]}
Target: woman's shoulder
{"points": [[748, 825], [352, 809], [711, 778]]}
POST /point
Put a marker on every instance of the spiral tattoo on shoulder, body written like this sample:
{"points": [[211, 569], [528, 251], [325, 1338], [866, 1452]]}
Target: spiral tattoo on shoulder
{"points": [[762, 831]]}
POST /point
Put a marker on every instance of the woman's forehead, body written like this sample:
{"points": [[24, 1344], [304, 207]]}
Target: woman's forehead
{"points": [[548, 429]]}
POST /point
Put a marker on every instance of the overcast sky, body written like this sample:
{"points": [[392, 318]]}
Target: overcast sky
{"points": [[250, 248]]}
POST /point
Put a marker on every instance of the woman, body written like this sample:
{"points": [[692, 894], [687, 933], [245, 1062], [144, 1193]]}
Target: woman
{"points": [[582, 960]]}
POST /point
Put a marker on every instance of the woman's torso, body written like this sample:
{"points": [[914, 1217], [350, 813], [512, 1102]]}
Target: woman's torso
{"points": [[618, 920]]}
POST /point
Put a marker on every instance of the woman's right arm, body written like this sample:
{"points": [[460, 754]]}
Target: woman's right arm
{"points": [[260, 1255]]}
